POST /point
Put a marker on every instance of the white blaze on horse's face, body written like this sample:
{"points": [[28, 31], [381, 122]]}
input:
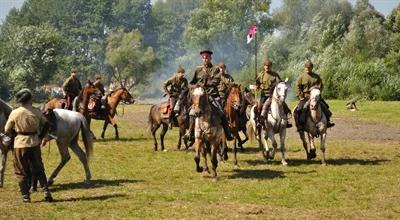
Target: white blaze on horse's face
{"points": [[196, 99], [315, 95], [281, 91]]}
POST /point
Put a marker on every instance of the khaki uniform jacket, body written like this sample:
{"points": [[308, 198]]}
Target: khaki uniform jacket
{"points": [[72, 86], [177, 86], [26, 122], [305, 82], [226, 81], [209, 76], [267, 81], [100, 86]]}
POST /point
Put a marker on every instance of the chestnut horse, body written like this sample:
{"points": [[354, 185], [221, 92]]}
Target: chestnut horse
{"points": [[208, 131], [107, 114]]}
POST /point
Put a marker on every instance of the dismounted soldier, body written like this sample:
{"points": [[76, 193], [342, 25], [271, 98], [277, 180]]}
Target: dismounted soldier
{"points": [[226, 81], [72, 87], [266, 82], [97, 83], [209, 76], [176, 87], [25, 122], [304, 83]]}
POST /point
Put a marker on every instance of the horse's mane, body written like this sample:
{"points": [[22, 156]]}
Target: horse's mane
{"points": [[232, 86], [115, 90]]}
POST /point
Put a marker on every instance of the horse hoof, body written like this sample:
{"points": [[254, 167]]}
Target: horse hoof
{"points": [[165, 150], [32, 189], [236, 167], [199, 169], [50, 182], [284, 163], [323, 164], [87, 183]]}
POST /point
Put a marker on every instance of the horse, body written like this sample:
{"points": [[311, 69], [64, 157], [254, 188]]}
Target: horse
{"points": [[315, 126], [208, 130], [69, 123], [107, 114], [159, 115], [5, 111], [248, 99], [275, 123], [232, 111]]}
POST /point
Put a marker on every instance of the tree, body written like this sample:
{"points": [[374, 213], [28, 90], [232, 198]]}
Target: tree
{"points": [[132, 62]]}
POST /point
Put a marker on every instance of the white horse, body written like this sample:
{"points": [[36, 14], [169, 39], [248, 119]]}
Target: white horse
{"points": [[316, 124], [275, 124], [69, 123]]}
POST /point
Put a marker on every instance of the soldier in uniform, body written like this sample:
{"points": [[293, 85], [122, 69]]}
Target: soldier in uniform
{"points": [[226, 81], [25, 122], [97, 83], [266, 82], [209, 76], [304, 83], [71, 87], [176, 87]]}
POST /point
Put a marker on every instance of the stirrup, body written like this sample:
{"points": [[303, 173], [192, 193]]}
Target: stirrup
{"points": [[330, 124]]}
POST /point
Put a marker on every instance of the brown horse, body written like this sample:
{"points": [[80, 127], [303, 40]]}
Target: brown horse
{"points": [[248, 99], [208, 131], [107, 114], [232, 112], [159, 115]]}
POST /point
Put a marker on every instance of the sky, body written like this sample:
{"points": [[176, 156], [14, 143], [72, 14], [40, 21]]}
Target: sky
{"points": [[383, 6]]}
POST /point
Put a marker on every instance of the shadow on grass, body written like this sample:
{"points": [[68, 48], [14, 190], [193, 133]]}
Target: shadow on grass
{"points": [[334, 162], [93, 184], [256, 174], [100, 140], [89, 198]]}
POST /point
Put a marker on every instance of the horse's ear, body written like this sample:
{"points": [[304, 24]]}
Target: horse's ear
{"points": [[89, 82], [286, 80]]}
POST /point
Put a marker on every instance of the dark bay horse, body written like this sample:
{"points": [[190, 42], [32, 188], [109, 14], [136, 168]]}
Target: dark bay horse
{"points": [[107, 114], [209, 133], [159, 116], [5, 111], [248, 99]]}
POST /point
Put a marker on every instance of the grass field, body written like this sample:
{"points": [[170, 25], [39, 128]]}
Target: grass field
{"points": [[131, 181]]}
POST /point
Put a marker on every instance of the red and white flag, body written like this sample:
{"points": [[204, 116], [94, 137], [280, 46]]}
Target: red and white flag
{"points": [[250, 34]]}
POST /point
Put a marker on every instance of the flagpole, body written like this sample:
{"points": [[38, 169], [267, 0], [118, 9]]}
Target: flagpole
{"points": [[255, 55]]}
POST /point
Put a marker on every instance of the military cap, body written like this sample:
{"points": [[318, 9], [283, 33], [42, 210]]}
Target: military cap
{"points": [[23, 96], [180, 70], [267, 62], [222, 65], [308, 64], [97, 77], [206, 52]]}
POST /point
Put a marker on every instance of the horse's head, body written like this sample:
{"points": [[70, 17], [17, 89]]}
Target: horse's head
{"points": [[248, 97], [280, 92], [199, 100], [90, 89], [126, 97], [234, 96], [315, 97]]}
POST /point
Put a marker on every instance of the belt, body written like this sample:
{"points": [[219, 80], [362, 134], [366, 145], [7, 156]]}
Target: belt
{"points": [[27, 133]]}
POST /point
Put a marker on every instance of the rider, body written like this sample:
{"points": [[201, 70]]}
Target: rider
{"points": [[25, 122], [176, 87], [97, 83], [209, 76], [226, 81], [305, 82], [266, 82], [71, 87]]}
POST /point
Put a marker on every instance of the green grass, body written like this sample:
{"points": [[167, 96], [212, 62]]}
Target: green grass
{"points": [[131, 181]]}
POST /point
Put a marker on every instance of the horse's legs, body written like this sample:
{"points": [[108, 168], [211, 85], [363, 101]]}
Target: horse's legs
{"points": [[282, 136], [181, 133], [3, 155], [303, 139], [271, 150], [214, 160], [198, 145], [323, 139], [313, 153], [65, 157], [162, 134], [263, 145], [91, 132], [116, 131], [241, 142], [82, 157], [204, 152], [235, 141], [154, 128], [104, 128]]}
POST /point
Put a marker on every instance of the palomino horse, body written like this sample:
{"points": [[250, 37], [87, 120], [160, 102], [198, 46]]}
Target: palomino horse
{"points": [[113, 99], [316, 124], [5, 111], [208, 130], [159, 115], [232, 111], [69, 124]]}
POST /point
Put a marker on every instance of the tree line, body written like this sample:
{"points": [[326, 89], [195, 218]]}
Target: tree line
{"points": [[354, 48]]}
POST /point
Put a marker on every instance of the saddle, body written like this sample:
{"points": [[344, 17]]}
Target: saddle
{"points": [[166, 108]]}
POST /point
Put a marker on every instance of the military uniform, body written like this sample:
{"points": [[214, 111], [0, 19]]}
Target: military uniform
{"points": [[25, 122], [72, 87], [304, 84], [226, 82], [177, 89]]}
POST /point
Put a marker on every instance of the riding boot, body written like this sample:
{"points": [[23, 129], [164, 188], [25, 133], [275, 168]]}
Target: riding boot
{"points": [[298, 120], [327, 113], [265, 108], [190, 133], [287, 112], [227, 130]]}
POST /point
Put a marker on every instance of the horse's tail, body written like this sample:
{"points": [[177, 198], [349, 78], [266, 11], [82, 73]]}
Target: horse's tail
{"points": [[87, 138], [150, 121], [251, 126]]}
